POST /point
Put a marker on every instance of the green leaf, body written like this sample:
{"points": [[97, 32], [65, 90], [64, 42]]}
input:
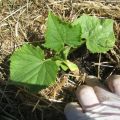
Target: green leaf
{"points": [[73, 67], [60, 63], [88, 23], [64, 67], [66, 52], [98, 33], [28, 66], [59, 33], [66, 64]]}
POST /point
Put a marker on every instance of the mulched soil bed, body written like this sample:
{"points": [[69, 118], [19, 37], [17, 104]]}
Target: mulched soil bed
{"points": [[23, 21]]}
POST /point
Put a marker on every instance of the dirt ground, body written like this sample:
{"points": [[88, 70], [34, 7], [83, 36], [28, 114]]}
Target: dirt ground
{"points": [[24, 21]]}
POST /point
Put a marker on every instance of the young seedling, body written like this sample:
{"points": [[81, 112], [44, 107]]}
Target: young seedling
{"points": [[30, 67]]}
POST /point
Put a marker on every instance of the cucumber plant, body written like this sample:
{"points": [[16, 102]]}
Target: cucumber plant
{"points": [[29, 65]]}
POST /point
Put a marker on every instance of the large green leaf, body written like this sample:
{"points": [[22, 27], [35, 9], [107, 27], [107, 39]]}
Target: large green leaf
{"points": [[98, 33], [59, 33], [28, 66]]}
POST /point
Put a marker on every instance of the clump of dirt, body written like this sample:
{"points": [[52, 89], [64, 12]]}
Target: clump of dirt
{"points": [[24, 21]]}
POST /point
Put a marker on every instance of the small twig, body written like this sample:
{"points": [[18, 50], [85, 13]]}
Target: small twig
{"points": [[103, 64], [116, 56], [110, 73], [13, 13], [35, 106], [99, 66]]}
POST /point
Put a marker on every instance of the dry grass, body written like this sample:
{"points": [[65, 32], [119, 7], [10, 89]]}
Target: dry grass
{"points": [[24, 21]]}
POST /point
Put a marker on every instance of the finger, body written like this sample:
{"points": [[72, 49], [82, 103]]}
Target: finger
{"points": [[92, 81], [100, 90], [74, 112], [113, 83], [104, 95], [87, 97]]}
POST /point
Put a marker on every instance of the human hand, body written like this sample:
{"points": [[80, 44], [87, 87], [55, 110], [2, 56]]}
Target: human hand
{"points": [[97, 103]]}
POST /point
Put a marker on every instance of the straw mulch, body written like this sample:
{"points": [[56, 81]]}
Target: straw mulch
{"points": [[24, 21]]}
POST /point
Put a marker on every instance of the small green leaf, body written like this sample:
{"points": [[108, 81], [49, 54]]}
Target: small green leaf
{"points": [[28, 66], [98, 33], [64, 67], [66, 64], [73, 67], [66, 52], [60, 63], [59, 33]]}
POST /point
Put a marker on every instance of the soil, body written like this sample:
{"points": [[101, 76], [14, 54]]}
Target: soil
{"points": [[24, 21]]}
